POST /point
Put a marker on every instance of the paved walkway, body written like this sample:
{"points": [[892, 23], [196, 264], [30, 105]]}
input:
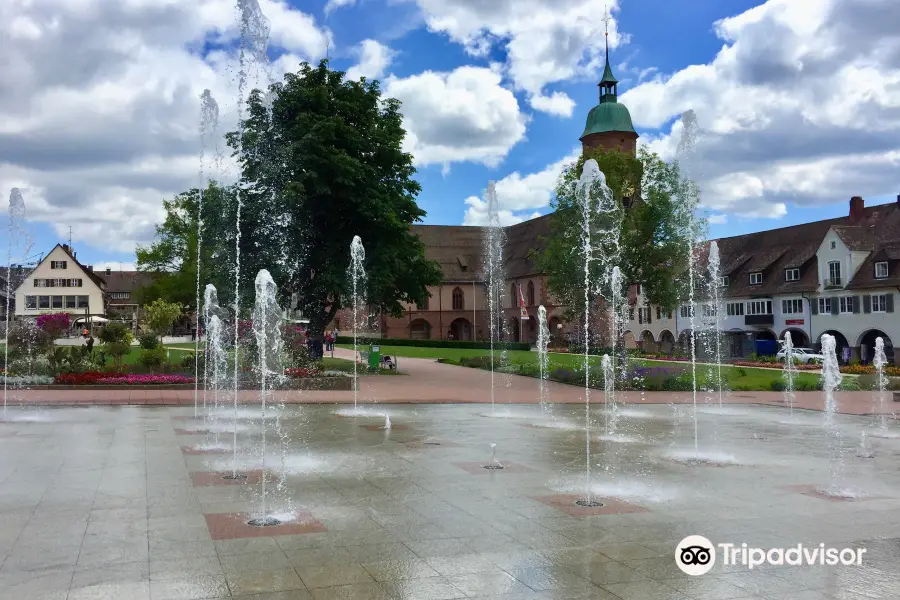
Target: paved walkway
{"points": [[425, 381]]}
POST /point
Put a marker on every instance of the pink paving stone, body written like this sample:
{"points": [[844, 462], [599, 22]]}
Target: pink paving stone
{"points": [[215, 478], [231, 526], [194, 451], [611, 506], [432, 444], [394, 427], [814, 491], [477, 468]]}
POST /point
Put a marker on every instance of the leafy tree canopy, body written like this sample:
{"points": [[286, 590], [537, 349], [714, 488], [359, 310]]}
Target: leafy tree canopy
{"points": [[655, 233]]}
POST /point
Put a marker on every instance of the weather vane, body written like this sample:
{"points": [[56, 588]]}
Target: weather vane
{"points": [[606, 19]]}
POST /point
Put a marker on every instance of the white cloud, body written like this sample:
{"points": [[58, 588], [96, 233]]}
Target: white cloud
{"points": [[99, 104], [557, 103], [520, 197], [374, 59], [801, 105], [544, 42], [333, 5], [717, 219], [463, 115]]}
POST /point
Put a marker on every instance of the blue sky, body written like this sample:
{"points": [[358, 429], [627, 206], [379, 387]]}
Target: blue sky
{"points": [[722, 59]]}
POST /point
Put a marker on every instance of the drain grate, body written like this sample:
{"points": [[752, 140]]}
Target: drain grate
{"points": [[493, 467], [431, 443], [233, 477], [264, 522], [589, 503]]}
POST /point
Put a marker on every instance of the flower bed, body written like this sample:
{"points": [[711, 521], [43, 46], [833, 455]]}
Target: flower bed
{"points": [[302, 372], [85, 378], [146, 379], [773, 365], [869, 370]]}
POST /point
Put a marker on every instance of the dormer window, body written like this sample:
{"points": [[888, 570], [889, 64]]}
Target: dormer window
{"points": [[723, 281], [792, 274], [881, 270], [755, 278]]}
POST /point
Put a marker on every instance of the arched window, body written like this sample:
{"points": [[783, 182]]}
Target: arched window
{"points": [[530, 293], [459, 300]]}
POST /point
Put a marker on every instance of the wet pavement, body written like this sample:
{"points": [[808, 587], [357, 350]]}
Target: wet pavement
{"points": [[113, 503]]}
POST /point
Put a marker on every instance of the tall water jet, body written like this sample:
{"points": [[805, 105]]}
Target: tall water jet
{"points": [[600, 228], [253, 49], [210, 308], [715, 326], [688, 201], [495, 279], [879, 361], [267, 335], [543, 342], [209, 123], [790, 371], [217, 358], [357, 275], [16, 216], [618, 307], [831, 379], [609, 392]]}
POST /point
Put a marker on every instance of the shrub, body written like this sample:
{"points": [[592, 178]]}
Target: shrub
{"points": [[144, 379], [117, 339], [55, 324], [740, 371], [805, 386], [153, 358], [777, 385], [148, 341], [160, 315], [477, 362]]}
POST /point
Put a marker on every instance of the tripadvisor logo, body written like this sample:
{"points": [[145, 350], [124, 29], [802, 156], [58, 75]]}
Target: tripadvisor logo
{"points": [[696, 555]]}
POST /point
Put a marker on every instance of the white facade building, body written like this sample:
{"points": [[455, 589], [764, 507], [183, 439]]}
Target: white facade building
{"points": [[60, 283]]}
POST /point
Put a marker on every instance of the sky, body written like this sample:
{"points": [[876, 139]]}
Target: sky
{"points": [[798, 102]]}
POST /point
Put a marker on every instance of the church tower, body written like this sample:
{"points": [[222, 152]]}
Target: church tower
{"points": [[609, 123]]}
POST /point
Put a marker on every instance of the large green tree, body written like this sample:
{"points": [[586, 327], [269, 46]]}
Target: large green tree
{"points": [[172, 257], [321, 161], [655, 233]]}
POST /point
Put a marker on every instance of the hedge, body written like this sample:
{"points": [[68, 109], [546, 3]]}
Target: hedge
{"points": [[343, 339]]}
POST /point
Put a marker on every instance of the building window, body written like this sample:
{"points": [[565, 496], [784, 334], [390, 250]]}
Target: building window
{"points": [[755, 278], [834, 272], [43, 301], [709, 310], [824, 305], [58, 264], [631, 314], [75, 283], [120, 295], [637, 289], [723, 281], [792, 307], [71, 302], [424, 304], [57, 302], [644, 315], [792, 275], [459, 300], [833, 245], [60, 283], [40, 283], [879, 303], [666, 314], [881, 270], [686, 312], [735, 309], [530, 294], [83, 302], [31, 302], [759, 307], [846, 304]]}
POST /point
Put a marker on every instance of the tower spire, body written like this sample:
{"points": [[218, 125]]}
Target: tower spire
{"points": [[608, 83]]}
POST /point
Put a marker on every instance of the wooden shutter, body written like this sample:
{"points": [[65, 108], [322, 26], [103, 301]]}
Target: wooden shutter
{"points": [[867, 304], [814, 306], [835, 305], [889, 302], [855, 304]]}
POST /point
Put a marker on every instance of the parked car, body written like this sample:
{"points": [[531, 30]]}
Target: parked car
{"points": [[802, 355]]}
